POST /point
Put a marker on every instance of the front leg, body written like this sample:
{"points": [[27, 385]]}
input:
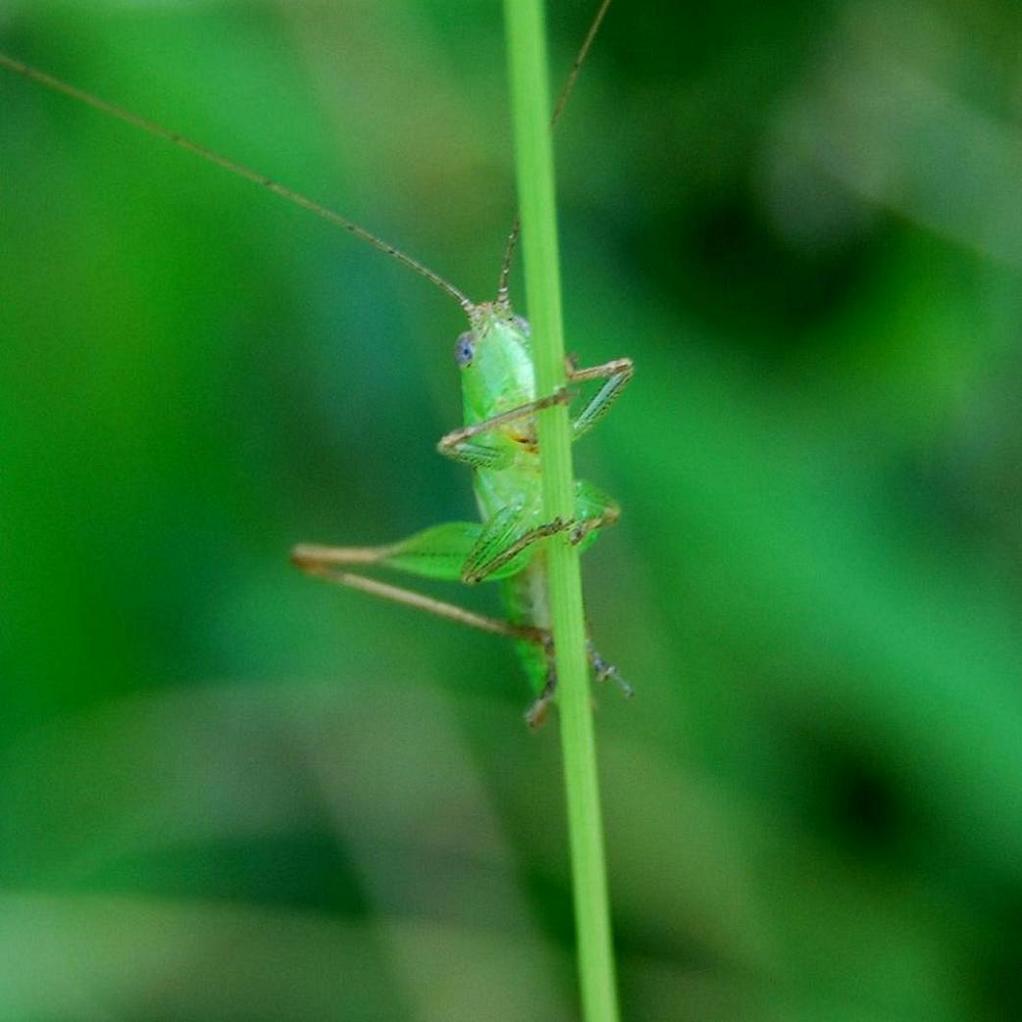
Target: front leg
{"points": [[457, 445], [476, 454], [618, 374]]}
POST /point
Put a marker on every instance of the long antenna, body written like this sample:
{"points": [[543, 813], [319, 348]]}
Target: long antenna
{"points": [[562, 102], [57, 85]]}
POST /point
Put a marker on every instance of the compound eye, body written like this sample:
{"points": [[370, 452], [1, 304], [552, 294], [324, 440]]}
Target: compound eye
{"points": [[465, 349]]}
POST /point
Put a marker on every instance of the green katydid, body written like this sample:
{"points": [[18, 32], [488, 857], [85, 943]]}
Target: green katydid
{"points": [[498, 441]]}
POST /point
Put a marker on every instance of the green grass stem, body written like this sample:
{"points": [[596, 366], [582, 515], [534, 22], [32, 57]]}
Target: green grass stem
{"points": [[535, 176]]}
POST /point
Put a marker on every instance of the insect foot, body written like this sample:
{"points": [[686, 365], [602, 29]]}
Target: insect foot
{"points": [[539, 711], [605, 670]]}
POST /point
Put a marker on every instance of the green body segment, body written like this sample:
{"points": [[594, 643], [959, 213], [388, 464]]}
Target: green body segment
{"points": [[499, 442], [525, 602], [498, 377]]}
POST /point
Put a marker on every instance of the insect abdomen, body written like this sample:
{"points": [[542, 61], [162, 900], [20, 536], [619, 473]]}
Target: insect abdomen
{"points": [[525, 599]]}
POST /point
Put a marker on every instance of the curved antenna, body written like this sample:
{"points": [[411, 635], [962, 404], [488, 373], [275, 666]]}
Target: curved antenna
{"points": [[562, 102], [151, 128]]}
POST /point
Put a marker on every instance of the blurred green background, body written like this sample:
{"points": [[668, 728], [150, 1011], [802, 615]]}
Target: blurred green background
{"points": [[228, 792]]}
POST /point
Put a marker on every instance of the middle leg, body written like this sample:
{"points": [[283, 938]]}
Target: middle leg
{"points": [[457, 444]]}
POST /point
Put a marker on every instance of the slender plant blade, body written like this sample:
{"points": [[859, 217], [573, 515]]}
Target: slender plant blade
{"points": [[535, 177]]}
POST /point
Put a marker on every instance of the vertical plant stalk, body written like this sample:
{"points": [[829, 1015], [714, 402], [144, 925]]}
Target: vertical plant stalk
{"points": [[535, 176]]}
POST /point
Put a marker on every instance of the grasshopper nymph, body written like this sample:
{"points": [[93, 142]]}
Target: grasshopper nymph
{"points": [[498, 441]]}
